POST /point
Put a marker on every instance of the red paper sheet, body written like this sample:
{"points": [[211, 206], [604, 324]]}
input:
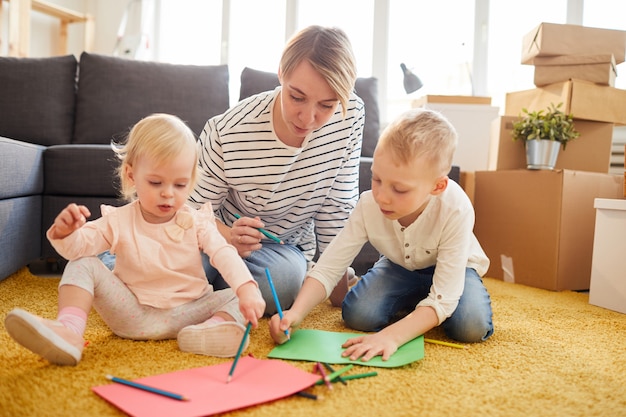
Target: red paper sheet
{"points": [[254, 382]]}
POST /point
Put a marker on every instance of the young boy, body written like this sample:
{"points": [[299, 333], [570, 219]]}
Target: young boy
{"points": [[431, 263]]}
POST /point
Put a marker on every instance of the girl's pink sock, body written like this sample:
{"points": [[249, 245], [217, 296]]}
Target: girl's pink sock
{"points": [[74, 319], [214, 320]]}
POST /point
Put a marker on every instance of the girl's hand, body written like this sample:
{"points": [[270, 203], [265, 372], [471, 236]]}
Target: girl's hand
{"points": [[251, 302], [278, 326], [71, 218], [366, 347], [245, 236]]}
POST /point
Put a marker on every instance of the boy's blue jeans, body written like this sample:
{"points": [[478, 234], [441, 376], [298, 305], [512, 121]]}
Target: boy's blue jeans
{"points": [[388, 291], [287, 266]]}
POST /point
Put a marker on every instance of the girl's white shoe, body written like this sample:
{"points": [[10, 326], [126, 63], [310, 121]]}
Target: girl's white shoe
{"points": [[49, 339], [220, 339]]}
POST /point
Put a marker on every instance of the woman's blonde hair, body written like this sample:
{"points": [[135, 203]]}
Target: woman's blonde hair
{"points": [[422, 133], [160, 137], [329, 52]]}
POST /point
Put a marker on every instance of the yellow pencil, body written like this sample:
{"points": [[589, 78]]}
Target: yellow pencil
{"points": [[441, 342]]}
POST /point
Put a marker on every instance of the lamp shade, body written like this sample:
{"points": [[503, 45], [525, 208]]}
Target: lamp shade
{"points": [[412, 82]]}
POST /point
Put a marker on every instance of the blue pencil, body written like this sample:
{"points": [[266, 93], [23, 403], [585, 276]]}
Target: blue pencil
{"points": [[276, 301], [147, 388], [241, 345]]}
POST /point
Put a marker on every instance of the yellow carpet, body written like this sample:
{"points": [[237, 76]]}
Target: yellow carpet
{"points": [[552, 354]]}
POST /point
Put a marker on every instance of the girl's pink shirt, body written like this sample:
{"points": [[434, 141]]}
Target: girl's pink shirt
{"points": [[160, 263]]}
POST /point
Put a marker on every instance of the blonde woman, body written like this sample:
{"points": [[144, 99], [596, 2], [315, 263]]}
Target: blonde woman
{"points": [[158, 289], [287, 161]]}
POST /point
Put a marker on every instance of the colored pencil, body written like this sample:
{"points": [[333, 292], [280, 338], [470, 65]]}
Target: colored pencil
{"points": [[265, 232], [241, 345], [359, 376], [276, 300], [147, 388], [334, 376], [325, 377], [441, 342], [306, 395], [331, 370]]}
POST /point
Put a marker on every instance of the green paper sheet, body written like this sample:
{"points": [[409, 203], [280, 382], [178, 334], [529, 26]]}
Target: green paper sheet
{"points": [[323, 346]]}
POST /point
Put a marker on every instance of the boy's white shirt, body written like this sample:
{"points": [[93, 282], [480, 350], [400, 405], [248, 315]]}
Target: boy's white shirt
{"points": [[441, 236]]}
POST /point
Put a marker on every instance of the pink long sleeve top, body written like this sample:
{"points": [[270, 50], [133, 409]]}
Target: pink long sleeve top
{"points": [[160, 263]]}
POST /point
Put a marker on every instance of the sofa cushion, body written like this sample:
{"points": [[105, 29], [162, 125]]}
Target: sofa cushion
{"points": [[115, 93], [20, 223], [255, 81], [21, 171], [37, 97], [81, 170]]}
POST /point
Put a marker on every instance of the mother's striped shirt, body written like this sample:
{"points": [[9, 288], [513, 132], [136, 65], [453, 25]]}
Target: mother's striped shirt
{"points": [[299, 193]]}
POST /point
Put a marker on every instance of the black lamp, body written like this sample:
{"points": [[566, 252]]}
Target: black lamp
{"points": [[412, 82]]}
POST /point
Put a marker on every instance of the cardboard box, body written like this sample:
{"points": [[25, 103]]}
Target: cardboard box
{"points": [[537, 227], [591, 151], [608, 265], [451, 99], [468, 181], [584, 99], [558, 39], [599, 69]]}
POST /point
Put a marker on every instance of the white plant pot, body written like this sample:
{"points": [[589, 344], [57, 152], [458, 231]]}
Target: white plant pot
{"points": [[542, 154]]}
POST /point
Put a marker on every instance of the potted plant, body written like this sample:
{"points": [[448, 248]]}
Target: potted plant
{"points": [[543, 134]]}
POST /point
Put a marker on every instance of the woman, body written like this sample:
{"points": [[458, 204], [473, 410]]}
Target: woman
{"points": [[287, 161]]}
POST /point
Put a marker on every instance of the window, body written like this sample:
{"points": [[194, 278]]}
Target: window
{"points": [[189, 32], [508, 23], [435, 39]]}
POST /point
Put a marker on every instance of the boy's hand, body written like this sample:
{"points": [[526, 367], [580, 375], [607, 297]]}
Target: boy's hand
{"points": [[251, 303], [69, 219], [366, 347], [278, 326]]}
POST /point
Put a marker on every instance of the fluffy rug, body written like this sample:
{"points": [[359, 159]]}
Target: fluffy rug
{"points": [[552, 354]]}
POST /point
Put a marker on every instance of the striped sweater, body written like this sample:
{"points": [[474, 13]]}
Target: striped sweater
{"points": [[303, 195]]}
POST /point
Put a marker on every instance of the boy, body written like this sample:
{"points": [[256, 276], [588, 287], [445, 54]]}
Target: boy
{"points": [[431, 263]]}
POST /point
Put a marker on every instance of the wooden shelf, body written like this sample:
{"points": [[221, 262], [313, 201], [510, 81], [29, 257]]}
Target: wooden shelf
{"points": [[19, 25]]}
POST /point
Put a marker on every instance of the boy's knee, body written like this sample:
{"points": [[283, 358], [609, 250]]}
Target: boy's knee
{"points": [[469, 331], [361, 319]]}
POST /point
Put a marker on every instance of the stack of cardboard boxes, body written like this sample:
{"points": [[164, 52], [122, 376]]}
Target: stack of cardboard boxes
{"points": [[537, 227]]}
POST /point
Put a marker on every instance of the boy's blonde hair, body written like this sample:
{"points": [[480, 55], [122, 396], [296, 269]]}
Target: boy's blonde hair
{"points": [[159, 136], [422, 133], [329, 52]]}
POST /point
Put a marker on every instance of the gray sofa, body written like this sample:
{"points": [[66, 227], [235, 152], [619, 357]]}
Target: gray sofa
{"points": [[58, 117]]}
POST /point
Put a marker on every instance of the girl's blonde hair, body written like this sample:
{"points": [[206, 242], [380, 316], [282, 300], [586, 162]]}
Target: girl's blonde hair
{"points": [[422, 133], [329, 52], [160, 137]]}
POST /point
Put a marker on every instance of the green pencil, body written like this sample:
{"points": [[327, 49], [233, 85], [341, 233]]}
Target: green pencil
{"points": [[265, 232], [241, 345]]}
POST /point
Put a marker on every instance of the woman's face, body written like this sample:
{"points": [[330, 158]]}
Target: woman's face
{"points": [[305, 104]]}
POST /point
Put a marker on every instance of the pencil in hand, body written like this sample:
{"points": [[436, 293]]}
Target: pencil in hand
{"points": [[241, 345], [276, 300], [265, 233]]}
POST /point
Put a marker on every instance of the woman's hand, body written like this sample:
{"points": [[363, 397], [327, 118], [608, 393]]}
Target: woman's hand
{"points": [[251, 302], [245, 236], [69, 219], [366, 347]]}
